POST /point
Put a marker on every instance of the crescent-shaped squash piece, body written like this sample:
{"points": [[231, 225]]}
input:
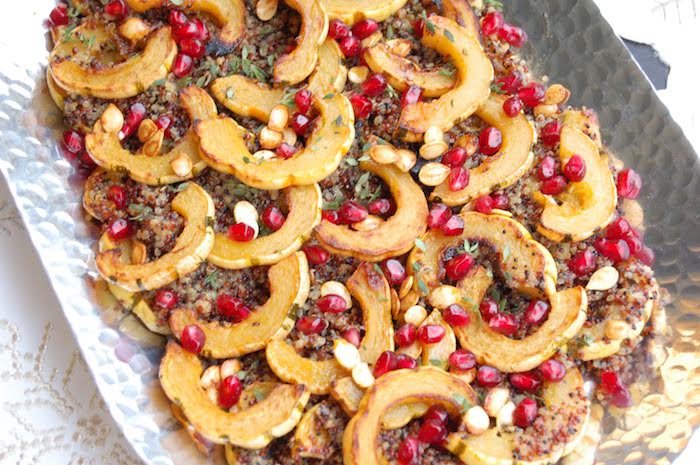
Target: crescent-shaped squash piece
{"points": [[106, 150], [304, 204], [311, 439], [461, 12], [585, 207], [223, 146], [252, 428], [504, 168], [289, 288], [122, 80], [474, 74], [330, 72], [57, 94], [190, 249], [391, 238], [352, 11]]}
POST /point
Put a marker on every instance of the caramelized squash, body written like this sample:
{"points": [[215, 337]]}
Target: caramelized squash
{"points": [[330, 74], [438, 354], [352, 11], [310, 441]]}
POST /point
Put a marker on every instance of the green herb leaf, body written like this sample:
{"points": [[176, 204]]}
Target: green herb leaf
{"points": [[210, 279], [496, 4], [259, 396], [328, 96], [462, 401], [416, 266], [423, 288], [506, 254], [351, 161], [241, 374], [497, 88], [435, 362], [420, 244], [449, 35], [230, 93]]}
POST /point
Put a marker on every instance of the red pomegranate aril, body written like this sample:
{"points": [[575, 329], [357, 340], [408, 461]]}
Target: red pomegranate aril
{"points": [[352, 212], [622, 398], [385, 363], [241, 232], [504, 323], [550, 133], [546, 169], [331, 303], [361, 105], [629, 184], [458, 179], [514, 35], [459, 267], [232, 307], [192, 47], [455, 157], [73, 141], [202, 30], [394, 271], [418, 28], [164, 122], [525, 413], [365, 28], [300, 123], [437, 413], [338, 30], [510, 83], [610, 382], [554, 185], [432, 432], [491, 23], [582, 263], [462, 359], [350, 46], [532, 94], [118, 196], [488, 376], [405, 335], [527, 382], [635, 245], [455, 315], [375, 85], [553, 371], [536, 312], [575, 169], [405, 361], [500, 201], [316, 255], [438, 215], [311, 325], [484, 204], [166, 299], [192, 339], [488, 309], [331, 215], [120, 229], [490, 140], [413, 94], [615, 250], [408, 452], [59, 15], [380, 207], [187, 30], [116, 9], [182, 66], [618, 229], [431, 334], [352, 335], [302, 100], [512, 107], [285, 151], [134, 116], [177, 18], [230, 391], [646, 256], [273, 218], [454, 226]]}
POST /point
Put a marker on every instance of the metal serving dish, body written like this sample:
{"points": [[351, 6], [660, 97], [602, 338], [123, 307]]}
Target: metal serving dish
{"points": [[569, 41]]}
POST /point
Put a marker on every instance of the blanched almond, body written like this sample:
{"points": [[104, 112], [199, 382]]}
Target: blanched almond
{"points": [[372, 40], [151, 147], [266, 9], [468, 376], [433, 150], [409, 300], [229, 368], [603, 279], [616, 330], [245, 212], [134, 29], [407, 160], [289, 136], [346, 354], [433, 174], [262, 155], [182, 165], [139, 254], [279, 116], [415, 315], [339, 289], [432, 135], [112, 119], [358, 74], [383, 154], [270, 139], [400, 47], [477, 420], [362, 375], [545, 110], [395, 303], [147, 129], [368, 224], [406, 286], [496, 398], [505, 415], [469, 142], [213, 394], [210, 377], [443, 296], [556, 94]]}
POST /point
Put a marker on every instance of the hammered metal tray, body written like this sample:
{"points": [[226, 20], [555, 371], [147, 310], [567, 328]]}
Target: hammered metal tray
{"points": [[569, 42]]}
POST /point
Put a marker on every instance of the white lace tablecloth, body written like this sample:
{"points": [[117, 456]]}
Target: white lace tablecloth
{"points": [[50, 410]]}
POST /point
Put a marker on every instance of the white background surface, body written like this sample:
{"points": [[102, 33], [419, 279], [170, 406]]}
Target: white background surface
{"points": [[50, 410]]}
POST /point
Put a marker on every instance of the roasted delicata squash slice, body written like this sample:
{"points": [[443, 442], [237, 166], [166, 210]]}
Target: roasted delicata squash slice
{"points": [[352, 11], [502, 169], [311, 440], [289, 288], [120, 80], [348, 394], [190, 250], [330, 73], [304, 204], [391, 238], [106, 150], [585, 207], [252, 428], [223, 146], [371, 290], [229, 14], [427, 385], [438, 354], [565, 414], [57, 94], [474, 74], [461, 12]]}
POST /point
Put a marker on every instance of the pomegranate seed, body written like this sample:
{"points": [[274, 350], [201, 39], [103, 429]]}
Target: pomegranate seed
{"points": [[458, 179], [484, 204], [431, 334], [73, 141], [232, 307], [192, 339], [462, 359], [488, 376], [134, 116], [365, 28], [629, 183], [385, 363], [405, 335], [300, 123], [182, 66], [504, 324], [575, 169], [488, 309], [437, 413], [116, 9], [394, 271], [492, 23], [164, 122], [311, 325], [500, 201], [361, 105], [118, 196], [646, 256], [302, 100], [241, 232], [192, 47], [554, 185], [352, 212], [536, 312], [613, 387], [418, 28], [514, 35], [527, 382], [188, 30], [454, 226], [454, 158], [273, 218], [550, 133], [350, 46], [202, 30], [582, 263], [635, 245], [352, 335], [512, 107], [438, 215], [622, 398], [459, 267], [406, 361], [432, 432], [331, 303], [510, 83], [166, 299], [413, 94], [177, 18], [409, 450], [546, 168], [119, 229], [553, 371], [490, 140], [525, 413], [374, 85], [618, 229], [338, 30], [285, 151], [59, 15], [380, 207], [455, 315], [230, 391], [316, 255], [616, 250], [532, 94], [331, 216]]}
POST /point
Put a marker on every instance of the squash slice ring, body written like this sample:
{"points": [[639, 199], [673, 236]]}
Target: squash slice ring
{"points": [[352, 11], [252, 428], [190, 250], [289, 289]]}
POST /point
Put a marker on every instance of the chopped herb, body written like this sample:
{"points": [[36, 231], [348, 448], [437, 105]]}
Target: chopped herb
{"points": [[159, 82], [378, 269], [328, 96], [447, 71], [210, 279], [449, 35], [73, 12], [241, 374], [471, 249], [366, 146], [247, 160], [177, 2], [363, 158], [389, 32], [496, 4], [506, 253], [351, 161], [392, 92], [214, 69], [334, 204], [423, 288], [259, 396], [428, 25], [202, 81], [338, 121], [68, 32], [420, 244], [230, 93], [288, 98], [463, 402], [416, 267], [435, 362], [586, 340], [502, 305], [142, 211], [497, 88]]}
